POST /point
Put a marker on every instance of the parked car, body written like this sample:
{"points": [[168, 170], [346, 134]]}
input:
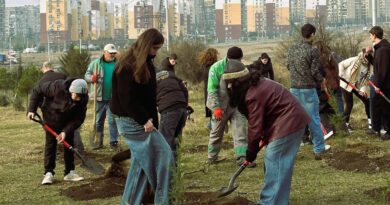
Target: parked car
{"points": [[30, 50]]}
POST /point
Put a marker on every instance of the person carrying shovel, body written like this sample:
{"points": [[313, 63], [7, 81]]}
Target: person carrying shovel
{"points": [[274, 117], [64, 110]]}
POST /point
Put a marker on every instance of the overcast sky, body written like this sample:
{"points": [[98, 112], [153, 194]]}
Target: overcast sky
{"points": [[12, 3]]}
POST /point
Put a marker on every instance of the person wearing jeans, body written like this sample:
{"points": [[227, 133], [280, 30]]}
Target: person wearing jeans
{"points": [[100, 72], [275, 118], [303, 62]]}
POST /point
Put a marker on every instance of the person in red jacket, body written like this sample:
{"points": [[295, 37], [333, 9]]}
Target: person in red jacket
{"points": [[275, 117]]}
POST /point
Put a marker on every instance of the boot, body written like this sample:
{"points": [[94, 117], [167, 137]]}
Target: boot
{"points": [[99, 145]]}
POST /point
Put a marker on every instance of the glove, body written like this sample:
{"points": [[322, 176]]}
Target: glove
{"points": [[94, 78], [218, 112], [190, 110], [250, 156]]}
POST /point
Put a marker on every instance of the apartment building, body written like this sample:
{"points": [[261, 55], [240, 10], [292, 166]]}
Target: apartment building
{"points": [[120, 21], [315, 10], [228, 20], [256, 17]]}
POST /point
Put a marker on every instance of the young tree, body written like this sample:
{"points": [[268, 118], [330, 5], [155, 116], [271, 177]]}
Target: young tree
{"points": [[30, 76], [75, 63]]}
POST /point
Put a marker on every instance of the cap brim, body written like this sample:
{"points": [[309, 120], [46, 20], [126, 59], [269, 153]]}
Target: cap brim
{"points": [[112, 51]]}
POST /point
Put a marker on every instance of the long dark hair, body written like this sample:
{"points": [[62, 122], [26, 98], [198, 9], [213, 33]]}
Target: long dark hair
{"points": [[135, 58], [237, 92]]}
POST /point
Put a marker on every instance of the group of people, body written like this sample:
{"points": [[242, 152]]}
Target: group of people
{"points": [[260, 110]]}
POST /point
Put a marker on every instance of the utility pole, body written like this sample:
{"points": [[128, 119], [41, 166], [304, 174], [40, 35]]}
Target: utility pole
{"points": [[167, 22], [373, 2]]}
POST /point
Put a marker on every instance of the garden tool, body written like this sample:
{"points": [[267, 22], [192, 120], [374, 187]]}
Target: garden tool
{"points": [[351, 85], [380, 92], [224, 191], [93, 138], [86, 163]]}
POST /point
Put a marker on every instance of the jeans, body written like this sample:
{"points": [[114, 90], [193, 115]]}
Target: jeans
{"points": [[279, 159], [339, 100], [102, 108], [309, 100], [171, 126], [151, 162]]}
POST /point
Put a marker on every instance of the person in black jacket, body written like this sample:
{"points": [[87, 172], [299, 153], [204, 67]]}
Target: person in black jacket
{"points": [[50, 75], [64, 109], [381, 61], [264, 66], [169, 63], [134, 107], [172, 103]]}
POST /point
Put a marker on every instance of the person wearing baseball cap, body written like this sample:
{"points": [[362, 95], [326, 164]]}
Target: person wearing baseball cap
{"points": [[64, 109], [99, 73]]}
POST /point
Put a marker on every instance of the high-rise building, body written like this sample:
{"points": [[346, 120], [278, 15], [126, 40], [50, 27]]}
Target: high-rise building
{"points": [[297, 11], [54, 18], [337, 12], [228, 20], [256, 17], [2, 20]]}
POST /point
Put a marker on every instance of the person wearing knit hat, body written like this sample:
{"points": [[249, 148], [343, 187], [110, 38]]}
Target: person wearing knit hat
{"points": [[218, 103], [276, 119], [64, 109]]}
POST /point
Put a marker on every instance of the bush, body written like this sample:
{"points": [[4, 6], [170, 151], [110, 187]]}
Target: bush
{"points": [[28, 79], [75, 63], [18, 104], [4, 101]]}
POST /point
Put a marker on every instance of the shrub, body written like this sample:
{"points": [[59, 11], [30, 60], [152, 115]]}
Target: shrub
{"points": [[18, 104], [75, 63], [28, 79], [4, 101]]}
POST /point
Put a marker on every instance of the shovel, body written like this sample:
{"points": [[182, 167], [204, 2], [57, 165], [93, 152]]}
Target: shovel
{"points": [[86, 163], [93, 139], [224, 191]]}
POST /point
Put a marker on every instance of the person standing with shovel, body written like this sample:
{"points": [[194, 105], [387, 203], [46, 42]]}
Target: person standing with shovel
{"points": [[100, 73], [276, 118], [64, 110]]}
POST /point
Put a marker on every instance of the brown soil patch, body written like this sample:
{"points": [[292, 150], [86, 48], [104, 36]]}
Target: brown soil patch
{"points": [[211, 198], [356, 158], [379, 193]]}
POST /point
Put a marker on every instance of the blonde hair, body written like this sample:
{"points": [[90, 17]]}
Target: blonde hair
{"points": [[208, 57]]}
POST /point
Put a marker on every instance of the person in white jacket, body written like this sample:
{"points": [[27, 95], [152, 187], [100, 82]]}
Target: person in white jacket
{"points": [[354, 75]]}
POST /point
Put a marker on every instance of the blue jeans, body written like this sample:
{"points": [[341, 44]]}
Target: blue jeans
{"points": [[102, 108], [151, 162], [309, 100], [279, 159]]}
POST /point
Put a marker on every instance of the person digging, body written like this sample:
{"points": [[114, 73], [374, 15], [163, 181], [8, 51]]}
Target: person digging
{"points": [[64, 110]]}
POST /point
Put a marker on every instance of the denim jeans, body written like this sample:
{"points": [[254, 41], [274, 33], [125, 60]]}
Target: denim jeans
{"points": [[309, 100], [102, 108], [339, 100], [171, 126], [151, 162], [279, 159]]}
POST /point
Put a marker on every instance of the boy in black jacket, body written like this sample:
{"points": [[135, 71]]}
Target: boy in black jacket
{"points": [[64, 108], [172, 103]]}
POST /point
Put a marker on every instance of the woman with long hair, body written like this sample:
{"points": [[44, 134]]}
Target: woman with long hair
{"points": [[206, 59], [135, 110], [264, 66]]}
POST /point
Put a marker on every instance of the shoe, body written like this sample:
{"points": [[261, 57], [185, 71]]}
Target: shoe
{"points": [[373, 133], [319, 156], [386, 136], [114, 145], [215, 160], [72, 176], [48, 178], [241, 160], [348, 128]]}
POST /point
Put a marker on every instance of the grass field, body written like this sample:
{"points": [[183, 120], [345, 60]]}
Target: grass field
{"points": [[357, 170]]}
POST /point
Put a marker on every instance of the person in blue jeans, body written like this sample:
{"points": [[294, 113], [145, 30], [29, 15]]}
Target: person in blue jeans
{"points": [[172, 103], [134, 107], [276, 118], [303, 62], [100, 71]]}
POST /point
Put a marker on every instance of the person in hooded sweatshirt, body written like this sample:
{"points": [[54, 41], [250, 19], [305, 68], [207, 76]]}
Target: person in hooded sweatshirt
{"points": [[379, 56], [169, 63], [64, 109], [264, 66]]}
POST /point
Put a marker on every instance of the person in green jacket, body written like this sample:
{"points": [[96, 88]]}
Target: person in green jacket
{"points": [[218, 103]]}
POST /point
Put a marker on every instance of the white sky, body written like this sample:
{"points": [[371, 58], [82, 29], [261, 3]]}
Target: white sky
{"points": [[12, 3]]}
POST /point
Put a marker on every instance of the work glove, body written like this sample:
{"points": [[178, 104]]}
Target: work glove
{"points": [[250, 156], [218, 113], [94, 78]]}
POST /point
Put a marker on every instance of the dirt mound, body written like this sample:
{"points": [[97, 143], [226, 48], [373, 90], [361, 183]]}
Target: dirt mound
{"points": [[357, 158], [100, 188], [379, 193], [211, 198]]}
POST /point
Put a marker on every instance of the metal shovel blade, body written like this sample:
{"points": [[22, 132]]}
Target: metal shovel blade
{"points": [[224, 191], [90, 164]]}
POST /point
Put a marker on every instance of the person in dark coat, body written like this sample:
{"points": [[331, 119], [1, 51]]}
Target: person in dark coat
{"points": [[169, 63], [206, 59], [264, 66], [381, 61], [172, 103], [64, 109], [276, 118], [50, 75]]}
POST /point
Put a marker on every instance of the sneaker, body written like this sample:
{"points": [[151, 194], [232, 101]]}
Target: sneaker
{"points": [[48, 178], [114, 145], [241, 160], [386, 136], [72, 176], [215, 160], [348, 128], [319, 156], [373, 133]]}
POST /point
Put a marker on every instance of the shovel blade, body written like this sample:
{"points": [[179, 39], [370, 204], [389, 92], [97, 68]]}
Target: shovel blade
{"points": [[224, 191], [89, 164]]}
